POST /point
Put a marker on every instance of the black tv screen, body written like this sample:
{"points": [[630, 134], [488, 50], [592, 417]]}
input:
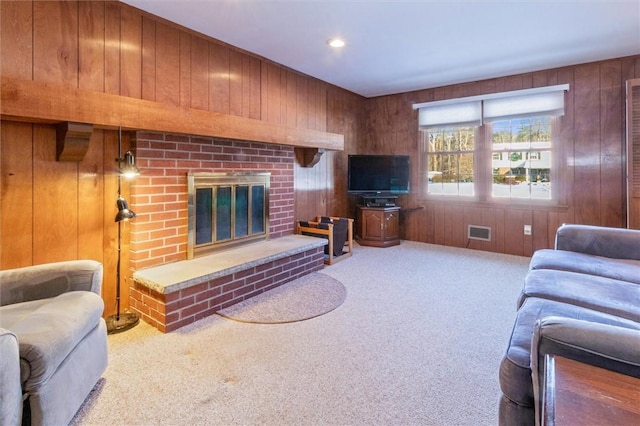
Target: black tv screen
{"points": [[378, 174]]}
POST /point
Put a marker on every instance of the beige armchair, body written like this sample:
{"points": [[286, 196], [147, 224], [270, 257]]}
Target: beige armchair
{"points": [[54, 313]]}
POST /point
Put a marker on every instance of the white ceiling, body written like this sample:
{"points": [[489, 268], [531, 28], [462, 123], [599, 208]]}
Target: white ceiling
{"points": [[404, 45]]}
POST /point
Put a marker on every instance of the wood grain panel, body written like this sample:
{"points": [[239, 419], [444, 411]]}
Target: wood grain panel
{"points": [[302, 102], [501, 234], [185, 70], [167, 65], [199, 73], [539, 227], [109, 227], [454, 226], [16, 195], [289, 94], [587, 144], [219, 78], [91, 51], [513, 236], [527, 240], [149, 50], [91, 200], [611, 147], [439, 225], [55, 41], [271, 94], [113, 48], [633, 153], [55, 201], [244, 86], [16, 39], [130, 42]]}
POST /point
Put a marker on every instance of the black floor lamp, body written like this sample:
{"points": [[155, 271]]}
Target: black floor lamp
{"points": [[122, 321]]}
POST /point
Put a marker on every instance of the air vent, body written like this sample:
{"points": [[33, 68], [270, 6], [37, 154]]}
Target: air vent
{"points": [[479, 233]]}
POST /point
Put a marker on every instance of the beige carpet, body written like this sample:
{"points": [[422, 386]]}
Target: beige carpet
{"points": [[418, 341], [305, 298]]}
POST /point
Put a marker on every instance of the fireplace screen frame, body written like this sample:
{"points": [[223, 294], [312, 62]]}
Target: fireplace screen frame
{"points": [[230, 182]]}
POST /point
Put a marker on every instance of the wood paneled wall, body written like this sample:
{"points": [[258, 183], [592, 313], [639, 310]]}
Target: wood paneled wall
{"points": [[53, 210], [57, 210], [592, 135]]}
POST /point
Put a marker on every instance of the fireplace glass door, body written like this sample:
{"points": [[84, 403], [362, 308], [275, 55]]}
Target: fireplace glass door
{"points": [[226, 210]]}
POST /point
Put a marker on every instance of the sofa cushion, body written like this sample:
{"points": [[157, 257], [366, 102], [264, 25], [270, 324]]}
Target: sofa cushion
{"points": [[618, 269], [49, 329], [607, 295], [515, 369]]}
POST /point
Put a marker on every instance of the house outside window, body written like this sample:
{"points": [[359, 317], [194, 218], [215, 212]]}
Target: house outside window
{"points": [[498, 147], [524, 167]]}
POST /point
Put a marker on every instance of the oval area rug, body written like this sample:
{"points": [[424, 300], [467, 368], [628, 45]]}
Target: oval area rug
{"points": [[307, 297]]}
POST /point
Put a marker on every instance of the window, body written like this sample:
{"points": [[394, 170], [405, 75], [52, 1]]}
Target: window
{"points": [[493, 147], [524, 168], [450, 156]]}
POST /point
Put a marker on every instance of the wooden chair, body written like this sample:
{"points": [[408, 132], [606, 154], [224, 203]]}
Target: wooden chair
{"points": [[339, 232]]}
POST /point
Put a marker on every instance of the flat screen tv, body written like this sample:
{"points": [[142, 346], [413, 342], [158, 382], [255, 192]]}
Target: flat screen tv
{"points": [[378, 174]]}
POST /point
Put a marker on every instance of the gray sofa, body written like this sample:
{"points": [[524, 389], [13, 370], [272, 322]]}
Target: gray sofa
{"points": [[580, 300], [53, 341]]}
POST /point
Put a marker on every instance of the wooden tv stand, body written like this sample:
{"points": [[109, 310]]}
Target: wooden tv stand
{"points": [[378, 226]]}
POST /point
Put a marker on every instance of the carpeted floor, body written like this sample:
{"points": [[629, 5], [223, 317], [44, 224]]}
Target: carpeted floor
{"points": [[418, 341]]}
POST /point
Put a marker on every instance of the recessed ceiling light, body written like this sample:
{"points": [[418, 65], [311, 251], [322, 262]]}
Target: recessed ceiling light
{"points": [[336, 42]]}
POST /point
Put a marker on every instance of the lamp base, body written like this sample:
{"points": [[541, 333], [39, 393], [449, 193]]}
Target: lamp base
{"points": [[123, 323]]}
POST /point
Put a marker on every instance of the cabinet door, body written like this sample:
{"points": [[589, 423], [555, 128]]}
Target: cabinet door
{"points": [[392, 228], [372, 226]]}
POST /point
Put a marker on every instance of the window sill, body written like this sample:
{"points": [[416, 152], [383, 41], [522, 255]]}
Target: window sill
{"points": [[496, 203]]}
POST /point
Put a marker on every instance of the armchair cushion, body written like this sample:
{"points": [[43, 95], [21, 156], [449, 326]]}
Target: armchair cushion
{"points": [[616, 243], [607, 295], [49, 280], [50, 331], [562, 260]]}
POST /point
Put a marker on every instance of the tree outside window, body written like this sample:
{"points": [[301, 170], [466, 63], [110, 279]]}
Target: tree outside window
{"points": [[450, 159]]}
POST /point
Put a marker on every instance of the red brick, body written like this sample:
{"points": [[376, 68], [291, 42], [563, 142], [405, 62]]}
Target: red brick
{"points": [[193, 309], [208, 294], [234, 285]]}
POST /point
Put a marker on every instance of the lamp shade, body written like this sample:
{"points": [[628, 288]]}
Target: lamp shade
{"points": [[123, 210], [128, 165]]}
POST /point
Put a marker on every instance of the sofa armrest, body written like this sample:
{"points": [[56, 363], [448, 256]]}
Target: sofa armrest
{"points": [[10, 389], [616, 243], [607, 346], [49, 280]]}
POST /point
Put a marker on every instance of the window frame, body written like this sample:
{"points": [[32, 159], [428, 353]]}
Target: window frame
{"points": [[424, 163], [480, 111], [483, 171]]}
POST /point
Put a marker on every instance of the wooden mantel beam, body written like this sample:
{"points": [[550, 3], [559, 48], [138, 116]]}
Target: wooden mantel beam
{"points": [[37, 101]]}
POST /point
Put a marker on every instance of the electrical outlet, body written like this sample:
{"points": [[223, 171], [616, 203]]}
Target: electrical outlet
{"points": [[527, 230]]}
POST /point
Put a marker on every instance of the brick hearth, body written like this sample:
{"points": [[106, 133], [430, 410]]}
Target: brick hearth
{"points": [[173, 295]]}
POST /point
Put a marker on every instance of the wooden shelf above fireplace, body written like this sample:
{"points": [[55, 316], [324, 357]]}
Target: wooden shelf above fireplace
{"points": [[35, 101]]}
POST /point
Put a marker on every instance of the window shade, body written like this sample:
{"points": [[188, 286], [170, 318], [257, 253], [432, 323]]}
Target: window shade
{"points": [[459, 114], [549, 103], [473, 110]]}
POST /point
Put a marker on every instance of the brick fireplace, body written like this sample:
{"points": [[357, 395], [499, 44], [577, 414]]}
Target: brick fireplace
{"points": [[159, 195], [165, 291]]}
